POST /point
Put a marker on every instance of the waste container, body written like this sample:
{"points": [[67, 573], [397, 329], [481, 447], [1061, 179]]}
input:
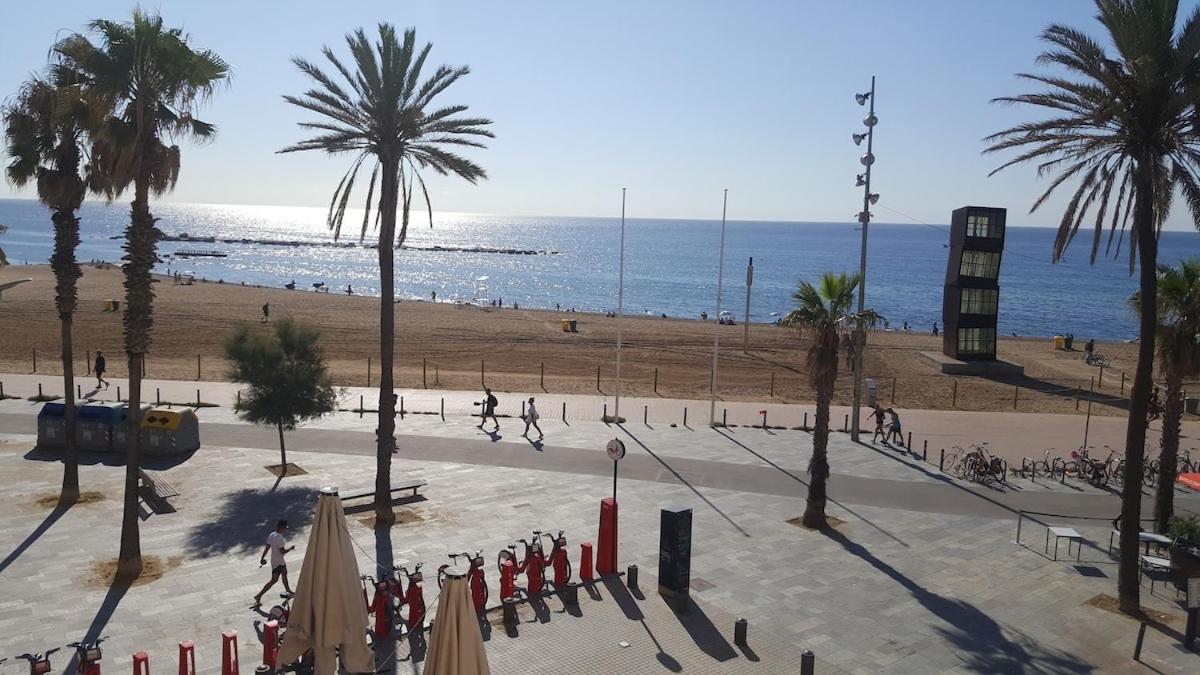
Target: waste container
{"points": [[52, 425], [120, 426], [168, 431], [566, 326], [1060, 342], [870, 392], [574, 325], [1192, 405], [94, 426]]}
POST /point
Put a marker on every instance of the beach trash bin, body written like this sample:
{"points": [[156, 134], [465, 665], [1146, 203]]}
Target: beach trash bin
{"points": [[1192, 405], [574, 325], [120, 426], [94, 426], [168, 431], [1060, 342], [52, 425], [566, 326], [871, 392]]}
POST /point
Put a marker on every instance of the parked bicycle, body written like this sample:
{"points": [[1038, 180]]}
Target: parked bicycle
{"points": [[979, 465], [479, 587], [533, 564], [39, 663], [87, 656], [1054, 467], [1093, 471], [413, 598]]}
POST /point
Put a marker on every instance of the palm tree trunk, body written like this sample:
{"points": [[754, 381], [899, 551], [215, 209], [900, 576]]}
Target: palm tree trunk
{"points": [[1128, 573], [1164, 496], [818, 466], [386, 440], [141, 238], [282, 452], [66, 274]]}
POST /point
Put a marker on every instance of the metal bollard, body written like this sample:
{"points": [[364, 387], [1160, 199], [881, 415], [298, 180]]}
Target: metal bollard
{"points": [[604, 415], [685, 415], [942, 461], [40, 390], [925, 450], [806, 421], [631, 576], [846, 424], [740, 627], [910, 440], [401, 407], [1137, 649], [646, 415], [157, 396], [443, 409], [510, 611], [229, 653], [118, 393], [569, 595], [522, 408], [78, 391], [360, 406], [141, 663], [187, 657], [564, 414], [725, 417], [808, 662], [197, 398]]}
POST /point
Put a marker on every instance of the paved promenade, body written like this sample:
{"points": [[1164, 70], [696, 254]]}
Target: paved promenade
{"points": [[1013, 435], [922, 576]]}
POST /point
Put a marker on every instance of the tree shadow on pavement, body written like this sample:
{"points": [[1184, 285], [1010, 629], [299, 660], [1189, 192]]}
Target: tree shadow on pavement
{"points": [[38, 531], [247, 516], [112, 599], [977, 637]]}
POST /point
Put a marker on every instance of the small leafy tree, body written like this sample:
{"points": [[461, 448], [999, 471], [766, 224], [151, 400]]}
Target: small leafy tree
{"points": [[286, 374]]}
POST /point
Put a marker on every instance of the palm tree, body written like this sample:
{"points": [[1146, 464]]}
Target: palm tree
{"points": [[823, 311], [383, 115], [155, 79], [1124, 126], [44, 130], [1179, 357]]}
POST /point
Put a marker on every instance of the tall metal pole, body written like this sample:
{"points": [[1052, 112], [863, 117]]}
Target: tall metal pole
{"points": [[712, 401], [860, 341], [746, 323], [620, 315]]}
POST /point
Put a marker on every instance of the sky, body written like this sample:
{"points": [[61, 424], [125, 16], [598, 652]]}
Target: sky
{"points": [[674, 100]]}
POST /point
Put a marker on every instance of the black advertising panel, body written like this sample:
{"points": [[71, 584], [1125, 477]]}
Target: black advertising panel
{"points": [[675, 553]]}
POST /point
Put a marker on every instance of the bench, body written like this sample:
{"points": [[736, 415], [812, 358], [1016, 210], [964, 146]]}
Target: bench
{"points": [[1157, 569], [412, 486], [158, 485], [1064, 533]]}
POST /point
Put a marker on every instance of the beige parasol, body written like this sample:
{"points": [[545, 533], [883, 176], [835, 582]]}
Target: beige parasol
{"points": [[328, 613], [456, 646]]}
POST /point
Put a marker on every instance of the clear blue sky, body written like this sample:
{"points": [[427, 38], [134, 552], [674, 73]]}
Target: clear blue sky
{"points": [[674, 100]]}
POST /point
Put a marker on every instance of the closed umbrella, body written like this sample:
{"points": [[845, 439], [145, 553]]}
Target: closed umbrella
{"points": [[456, 646], [328, 613]]}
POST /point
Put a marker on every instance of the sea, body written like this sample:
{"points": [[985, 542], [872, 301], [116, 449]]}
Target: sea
{"points": [[671, 266]]}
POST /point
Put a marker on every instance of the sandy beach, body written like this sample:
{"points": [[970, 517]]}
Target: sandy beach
{"points": [[452, 341]]}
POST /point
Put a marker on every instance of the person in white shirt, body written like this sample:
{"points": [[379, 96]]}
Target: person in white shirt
{"points": [[531, 417], [276, 546]]}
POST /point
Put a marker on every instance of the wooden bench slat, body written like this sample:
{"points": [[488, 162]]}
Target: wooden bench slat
{"points": [[412, 485], [155, 481]]}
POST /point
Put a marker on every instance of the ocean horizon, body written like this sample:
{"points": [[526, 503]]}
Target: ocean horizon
{"points": [[571, 262]]}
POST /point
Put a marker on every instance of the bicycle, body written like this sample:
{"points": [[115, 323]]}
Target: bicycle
{"points": [[87, 656], [532, 565], [559, 560], [39, 664], [1091, 470], [479, 587], [414, 597]]}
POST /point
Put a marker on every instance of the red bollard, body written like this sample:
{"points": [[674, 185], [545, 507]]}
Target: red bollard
{"points": [[606, 558], [229, 653], [270, 643], [585, 562], [187, 658], [141, 663], [508, 573]]}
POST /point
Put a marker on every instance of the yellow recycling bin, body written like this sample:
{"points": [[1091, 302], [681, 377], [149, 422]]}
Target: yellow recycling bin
{"points": [[566, 326], [168, 431], [1060, 342]]}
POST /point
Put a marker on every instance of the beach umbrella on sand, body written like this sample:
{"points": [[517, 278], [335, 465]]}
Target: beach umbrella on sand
{"points": [[328, 613], [456, 646]]}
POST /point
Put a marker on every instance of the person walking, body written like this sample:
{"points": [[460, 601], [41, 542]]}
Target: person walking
{"points": [[1089, 350], [277, 547], [935, 329], [894, 431], [100, 366], [489, 409], [266, 312], [531, 418], [877, 412]]}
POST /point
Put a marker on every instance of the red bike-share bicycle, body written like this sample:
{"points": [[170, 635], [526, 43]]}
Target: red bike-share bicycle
{"points": [[535, 561], [87, 656], [479, 587], [413, 598], [39, 663]]}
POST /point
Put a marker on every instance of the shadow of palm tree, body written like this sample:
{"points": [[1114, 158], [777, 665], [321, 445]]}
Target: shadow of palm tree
{"points": [[247, 516], [38, 531], [979, 639]]}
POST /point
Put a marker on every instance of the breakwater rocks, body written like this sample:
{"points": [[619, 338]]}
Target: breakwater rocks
{"points": [[186, 238]]}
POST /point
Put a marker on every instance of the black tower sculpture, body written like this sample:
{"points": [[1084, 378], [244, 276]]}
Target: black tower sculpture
{"points": [[971, 300]]}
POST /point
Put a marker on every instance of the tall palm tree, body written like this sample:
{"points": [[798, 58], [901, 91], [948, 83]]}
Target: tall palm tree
{"points": [[823, 311], [383, 115], [1123, 126], [155, 79], [1179, 357], [44, 130]]}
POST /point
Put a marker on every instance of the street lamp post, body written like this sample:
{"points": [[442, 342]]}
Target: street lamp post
{"points": [[864, 217], [712, 394], [620, 308]]}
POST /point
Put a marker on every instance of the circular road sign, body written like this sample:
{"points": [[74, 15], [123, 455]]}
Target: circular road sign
{"points": [[615, 449]]}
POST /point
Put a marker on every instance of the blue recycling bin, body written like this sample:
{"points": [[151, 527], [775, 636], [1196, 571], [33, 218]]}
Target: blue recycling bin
{"points": [[120, 428], [94, 426], [52, 426]]}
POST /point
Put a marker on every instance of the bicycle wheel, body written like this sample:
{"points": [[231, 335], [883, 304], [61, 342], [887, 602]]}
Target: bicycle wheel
{"points": [[568, 561], [1058, 469]]}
